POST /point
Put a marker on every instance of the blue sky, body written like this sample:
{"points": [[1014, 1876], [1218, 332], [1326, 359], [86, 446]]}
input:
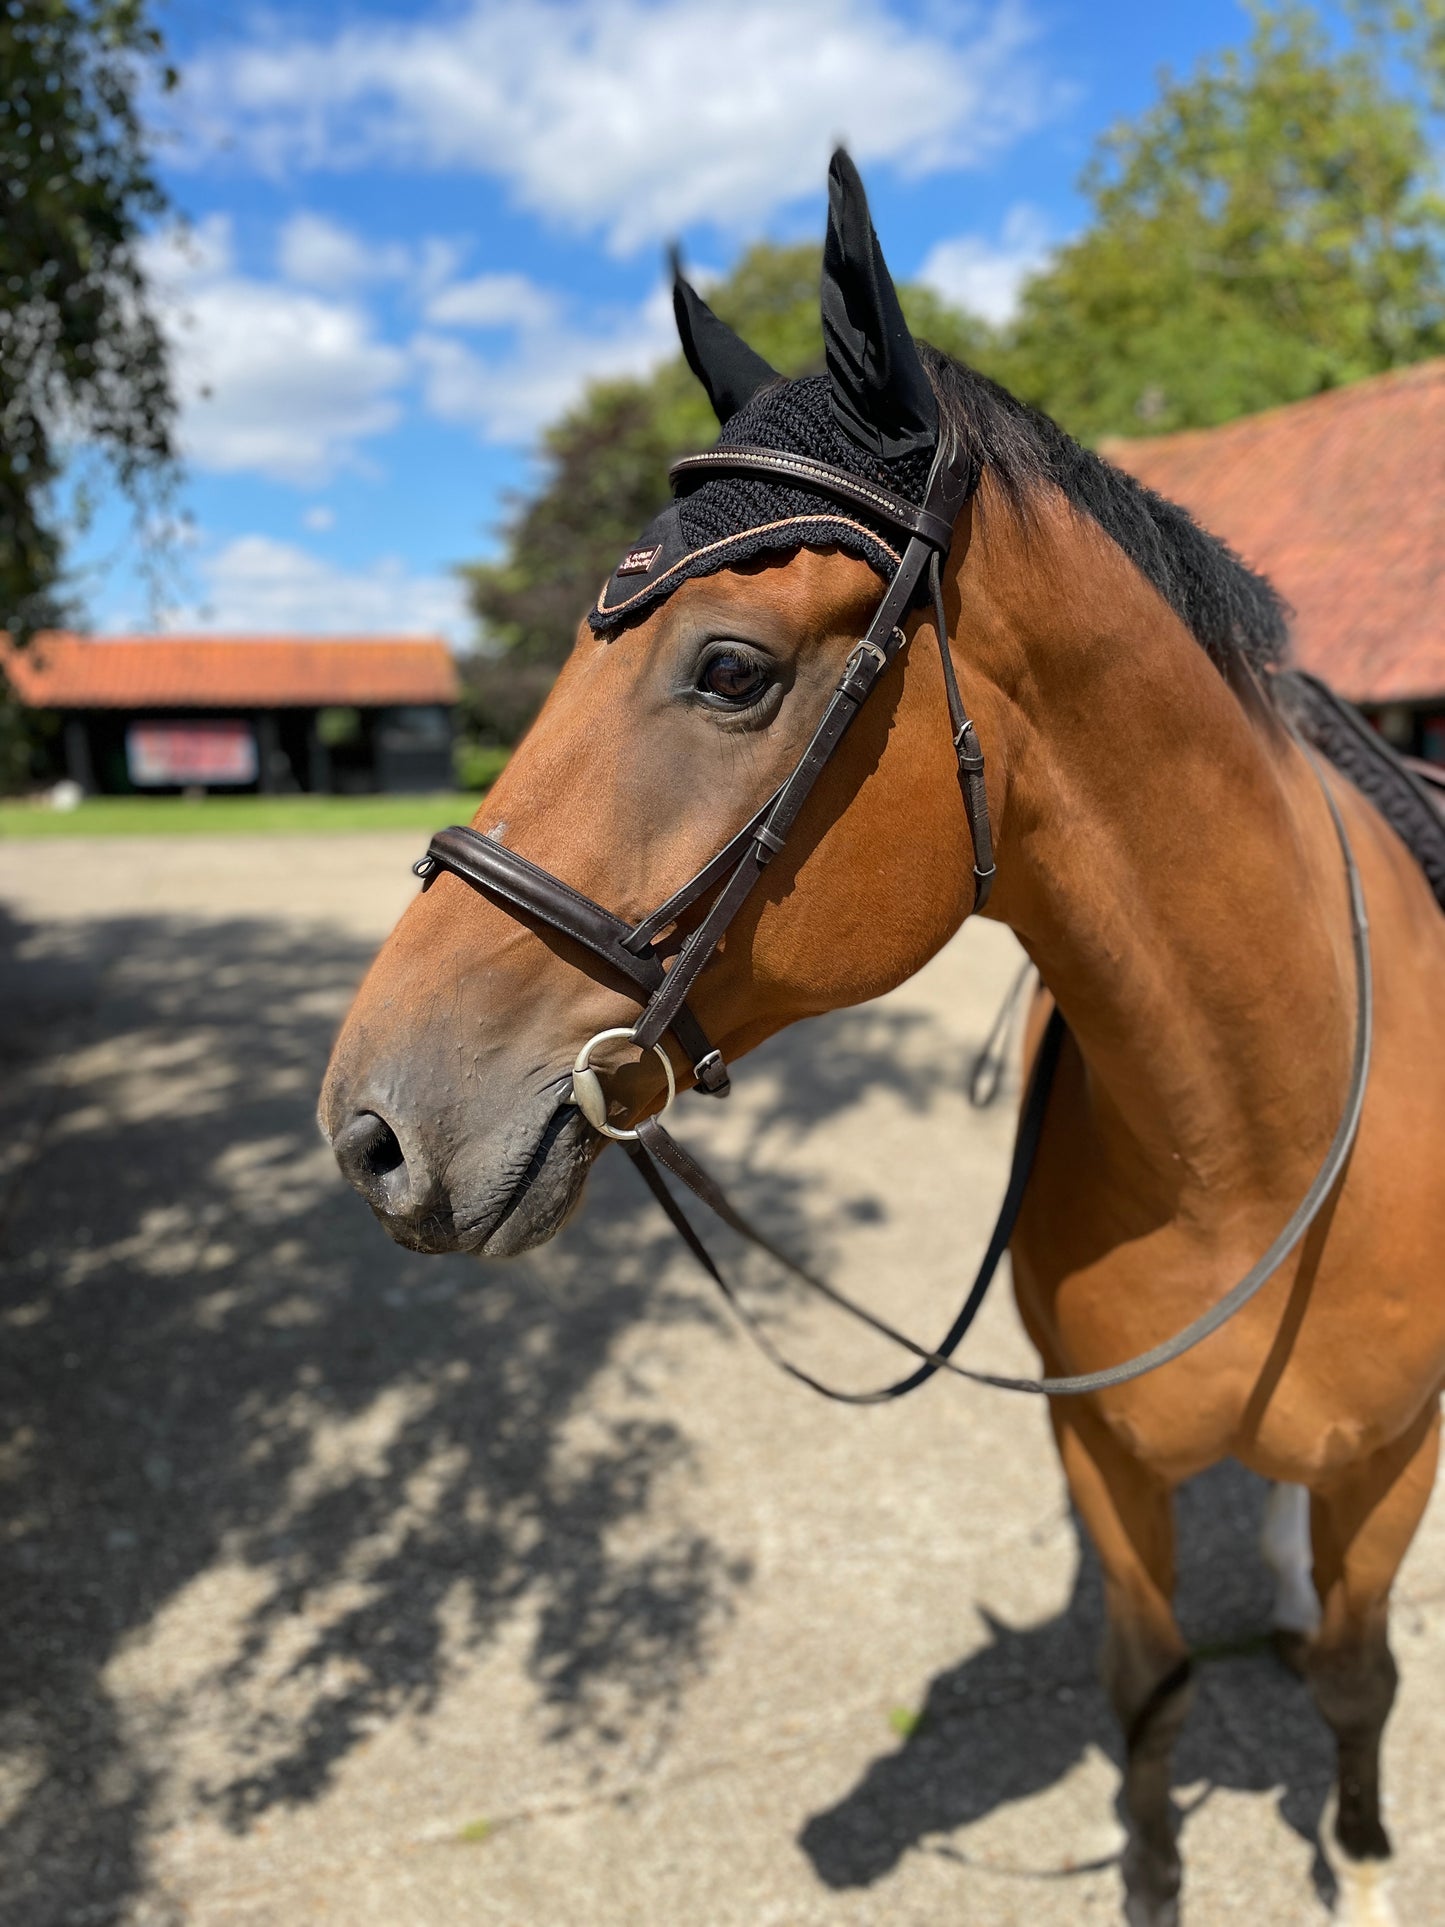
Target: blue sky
{"points": [[417, 230]]}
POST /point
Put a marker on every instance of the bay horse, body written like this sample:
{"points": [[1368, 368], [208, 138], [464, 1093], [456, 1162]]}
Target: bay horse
{"points": [[1166, 855]]}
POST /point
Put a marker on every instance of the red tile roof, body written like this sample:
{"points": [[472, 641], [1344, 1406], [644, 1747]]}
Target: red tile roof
{"points": [[1340, 500], [62, 671]]}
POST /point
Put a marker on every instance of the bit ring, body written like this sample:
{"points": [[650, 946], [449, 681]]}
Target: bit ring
{"points": [[588, 1095]]}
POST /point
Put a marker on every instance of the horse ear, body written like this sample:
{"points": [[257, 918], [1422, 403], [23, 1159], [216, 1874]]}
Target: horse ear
{"points": [[880, 393], [724, 363]]}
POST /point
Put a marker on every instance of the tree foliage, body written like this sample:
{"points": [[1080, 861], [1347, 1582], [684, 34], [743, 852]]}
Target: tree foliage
{"points": [[1416, 28], [1268, 229], [82, 359]]}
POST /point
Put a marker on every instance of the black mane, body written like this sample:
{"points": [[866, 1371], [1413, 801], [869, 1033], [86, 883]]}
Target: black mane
{"points": [[1231, 611]]}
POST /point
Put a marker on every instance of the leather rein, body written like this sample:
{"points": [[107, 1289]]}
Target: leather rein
{"points": [[630, 951]]}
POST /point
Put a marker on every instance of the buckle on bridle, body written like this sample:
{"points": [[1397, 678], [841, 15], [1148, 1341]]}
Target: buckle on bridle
{"points": [[966, 749], [711, 1073], [863, 647], [858, 676], [587, 1092]]}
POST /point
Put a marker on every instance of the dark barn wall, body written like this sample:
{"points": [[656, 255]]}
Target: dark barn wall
{"points": [[413, 748], [402, 748]]}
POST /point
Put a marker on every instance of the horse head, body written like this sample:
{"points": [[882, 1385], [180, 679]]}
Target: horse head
{"points": [[691, 695]]}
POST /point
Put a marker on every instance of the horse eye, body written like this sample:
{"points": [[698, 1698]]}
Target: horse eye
{"points": [[733, 678]]}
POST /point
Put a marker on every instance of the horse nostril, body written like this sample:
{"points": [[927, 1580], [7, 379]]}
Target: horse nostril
{"points": [[369, 1154], [378, 1149]]}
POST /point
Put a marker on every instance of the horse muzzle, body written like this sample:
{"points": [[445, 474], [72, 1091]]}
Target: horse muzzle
{"points": [[493, 1194]]}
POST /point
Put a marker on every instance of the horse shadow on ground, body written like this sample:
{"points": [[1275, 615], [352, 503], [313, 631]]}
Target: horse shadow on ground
{"points": [[213, 1360], [333, 1473], [331, 1470], [1018, 1715]]}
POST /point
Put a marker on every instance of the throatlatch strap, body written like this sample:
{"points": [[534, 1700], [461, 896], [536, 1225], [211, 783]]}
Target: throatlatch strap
{"points": [[985, 1080], [966, 749]]}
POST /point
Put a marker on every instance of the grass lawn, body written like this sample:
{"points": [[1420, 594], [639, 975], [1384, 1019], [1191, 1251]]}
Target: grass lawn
{"points": [[235, 815]]}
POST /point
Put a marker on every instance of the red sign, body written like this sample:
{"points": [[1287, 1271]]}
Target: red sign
{"points": [[161, 753]]}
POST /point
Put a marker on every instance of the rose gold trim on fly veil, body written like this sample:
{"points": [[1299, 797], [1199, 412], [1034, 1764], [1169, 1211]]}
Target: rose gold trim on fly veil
{"points": [[763, 528]]}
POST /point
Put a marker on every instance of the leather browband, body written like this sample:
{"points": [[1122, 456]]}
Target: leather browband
{"points": [[897, 510]]}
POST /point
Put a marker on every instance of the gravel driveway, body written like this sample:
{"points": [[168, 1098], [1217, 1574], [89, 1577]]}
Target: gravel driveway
{"points": [[345, 1585]]}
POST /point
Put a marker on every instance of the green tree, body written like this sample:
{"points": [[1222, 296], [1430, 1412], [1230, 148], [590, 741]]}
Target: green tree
{"points": [[1268, 229], [83, 362], [1417, 28], [604, 473]]}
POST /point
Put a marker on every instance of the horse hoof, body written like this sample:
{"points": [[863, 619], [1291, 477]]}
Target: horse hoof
{"points": [[1139, 1912], [1364, 1895], [1143, 1910]]}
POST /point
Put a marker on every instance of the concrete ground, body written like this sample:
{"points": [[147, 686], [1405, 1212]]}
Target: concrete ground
{"points": [[344, 1585]]}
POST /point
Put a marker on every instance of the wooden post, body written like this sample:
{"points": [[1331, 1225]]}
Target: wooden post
{"points": [[318, 758], [268, 752], [79, 764]]}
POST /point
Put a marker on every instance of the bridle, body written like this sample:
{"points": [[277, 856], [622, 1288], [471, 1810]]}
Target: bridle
{"points": [[630, 951]]}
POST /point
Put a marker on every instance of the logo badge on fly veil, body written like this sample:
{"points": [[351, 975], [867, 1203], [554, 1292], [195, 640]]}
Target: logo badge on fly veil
{"points": [[639, 561]]}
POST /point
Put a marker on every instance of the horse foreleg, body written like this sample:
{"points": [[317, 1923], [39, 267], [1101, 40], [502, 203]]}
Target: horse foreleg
{"points": [[1129, 1514], [1285, 1542], [1361, 1524]]}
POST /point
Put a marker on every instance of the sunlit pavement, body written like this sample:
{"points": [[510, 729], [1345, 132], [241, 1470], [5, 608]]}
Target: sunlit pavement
{"points": [[346, 1585]]}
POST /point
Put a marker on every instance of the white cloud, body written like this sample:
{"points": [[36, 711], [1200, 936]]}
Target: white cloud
{"points": [[317, 253], [176, 256], [508, 396], [637, 117], [986, 276], [286, 383], [320, 518], [256, 585], [273, 380], [492, 301]]}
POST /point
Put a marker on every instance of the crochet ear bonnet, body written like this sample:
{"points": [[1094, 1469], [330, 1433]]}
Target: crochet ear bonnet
{"points": [[873, 414]]}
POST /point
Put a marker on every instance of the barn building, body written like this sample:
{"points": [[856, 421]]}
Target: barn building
{"points": [[1340, 501], [268, 714]]}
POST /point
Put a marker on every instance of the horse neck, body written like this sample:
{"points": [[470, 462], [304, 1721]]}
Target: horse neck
{"points": [[1166, 859]]}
